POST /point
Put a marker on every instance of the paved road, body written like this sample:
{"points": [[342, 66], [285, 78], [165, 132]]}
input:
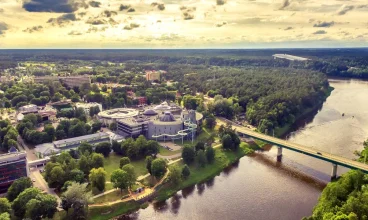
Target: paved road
{"points": [[335, 159], [41, 183]]}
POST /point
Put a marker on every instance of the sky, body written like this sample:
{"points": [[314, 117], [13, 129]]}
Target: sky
{"points": [[110, 24]]}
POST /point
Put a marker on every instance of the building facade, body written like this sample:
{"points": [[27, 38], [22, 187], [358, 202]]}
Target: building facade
{"points": [[12, 167], [70, 81]]}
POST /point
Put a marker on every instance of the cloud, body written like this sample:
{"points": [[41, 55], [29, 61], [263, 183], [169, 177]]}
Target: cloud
{"points": [[288, 28], [284, 4], [188, 12], [320, 32], [220, 2], [94, 4], [324, 24], [33, 29], [221, 24], [131, 10], [75, 33], [123, 7], [344, 9], [96, 29], [96, 21], [160, 6], [1, 10], [131, 26], [3, 27], [63, 19], [108, 13], [59, 6]]}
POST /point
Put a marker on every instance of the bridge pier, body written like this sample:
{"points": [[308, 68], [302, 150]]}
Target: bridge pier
{"points": [[334, 171], [279, 154]]}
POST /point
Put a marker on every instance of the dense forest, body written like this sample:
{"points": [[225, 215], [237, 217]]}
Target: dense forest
{"points": [[332, 62], [344, 199]]}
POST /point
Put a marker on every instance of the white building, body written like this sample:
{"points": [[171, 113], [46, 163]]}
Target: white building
{"points": [[87, 106]]}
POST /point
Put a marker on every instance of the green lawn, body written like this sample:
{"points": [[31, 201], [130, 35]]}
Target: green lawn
{"points": [[112, 163], [223, 159], [165, 152], [110, 197], [202, 137], [109, 212]]}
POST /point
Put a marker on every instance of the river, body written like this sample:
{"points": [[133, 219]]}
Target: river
{"points": [[258, 187]]}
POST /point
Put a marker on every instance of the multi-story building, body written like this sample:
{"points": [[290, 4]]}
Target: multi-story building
{"points": [[153, 75], [76, 141], [13, 166], [88, 106], [47, 149], [70, 81], [75, 81], [161, 122]]}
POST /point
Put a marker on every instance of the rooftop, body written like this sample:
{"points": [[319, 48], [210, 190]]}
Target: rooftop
{"points": [[81, 138], [9, 157]]}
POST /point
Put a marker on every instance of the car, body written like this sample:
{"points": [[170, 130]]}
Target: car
{"points": [[319, 153], [41, 171], [33, 180]]}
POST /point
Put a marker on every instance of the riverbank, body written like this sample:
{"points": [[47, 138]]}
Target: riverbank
{"points": [[282, 131], [223, 159]]}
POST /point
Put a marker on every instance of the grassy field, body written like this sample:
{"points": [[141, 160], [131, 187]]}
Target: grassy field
{"points": [[110, 197], [112, 163], [202, 137], [165, 152], [223, 159], [108, 212]]}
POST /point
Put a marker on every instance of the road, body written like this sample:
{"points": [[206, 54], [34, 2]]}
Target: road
{"points": [[335, 159], [41, 183]]}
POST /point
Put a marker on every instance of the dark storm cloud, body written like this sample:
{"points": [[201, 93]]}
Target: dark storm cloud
{"points": [[108, 13], [344, 9], [94, 4], [123, 7], [59, 6], [324, 24], [3, 28], [33, 29], [320, 32], [63, 19], [284, 4], [220, 2]]}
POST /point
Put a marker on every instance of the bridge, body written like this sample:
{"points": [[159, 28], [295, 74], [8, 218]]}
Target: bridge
{"points": [[335, 160]]}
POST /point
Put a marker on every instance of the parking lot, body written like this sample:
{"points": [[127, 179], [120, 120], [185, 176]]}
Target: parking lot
{"points": [[170, 146]]}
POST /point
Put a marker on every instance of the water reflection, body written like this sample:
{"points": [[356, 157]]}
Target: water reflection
{"points": [[187, 191], [175, 203]]}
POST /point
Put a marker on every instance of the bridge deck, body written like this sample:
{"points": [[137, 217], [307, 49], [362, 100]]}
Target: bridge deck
{"points": [[301, 149]]}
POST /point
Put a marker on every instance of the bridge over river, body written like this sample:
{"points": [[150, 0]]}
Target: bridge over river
{"points": [[335, 160]]}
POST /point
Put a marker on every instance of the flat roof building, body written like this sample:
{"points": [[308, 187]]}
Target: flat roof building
{"points": [[28, 109], [76, 141], [12, 167], [289, 57], [70, 81]]}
